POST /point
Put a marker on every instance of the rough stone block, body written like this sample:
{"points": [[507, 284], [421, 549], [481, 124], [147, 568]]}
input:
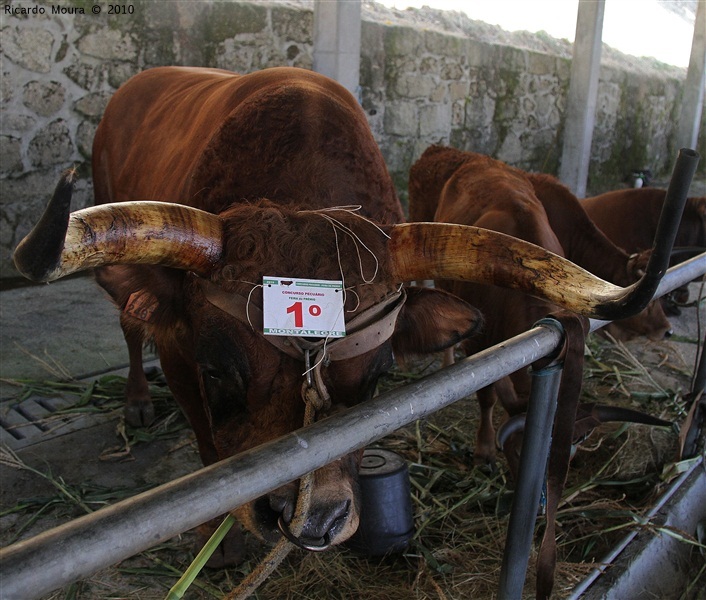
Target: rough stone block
{"points": [[401, 118], [225, 20], [540, 64], [28, 47], [84, 138], [480, 111], [18, 122], [435, 119], [109, 44], [119, 72], [82, 73], [403, 41], [412, 85], [480, 54], [8, 85], [459, 90], [44, 98], [92, 105], [440, 94], [10, 155], [510, 150], [293, 25], [162, 14], [444, 44], [451, 70], [51, 145]]}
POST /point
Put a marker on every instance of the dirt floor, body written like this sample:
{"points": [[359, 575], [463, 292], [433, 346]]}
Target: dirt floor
{"points": [[460, 511]]}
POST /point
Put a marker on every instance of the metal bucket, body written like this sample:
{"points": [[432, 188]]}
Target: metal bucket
{"points": [[386, 524]]}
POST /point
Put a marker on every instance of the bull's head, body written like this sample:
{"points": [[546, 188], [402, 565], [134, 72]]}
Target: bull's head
{"points": [[240, 389]]}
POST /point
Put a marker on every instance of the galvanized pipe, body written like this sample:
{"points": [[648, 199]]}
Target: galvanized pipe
{"points": [[536, 441], [699, 383], [531, 477], [77, 549]]}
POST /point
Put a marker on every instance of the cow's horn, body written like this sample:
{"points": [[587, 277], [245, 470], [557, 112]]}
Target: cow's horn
{"points": [[156, 233], [619, 414], [515, 424], [466, 253]]}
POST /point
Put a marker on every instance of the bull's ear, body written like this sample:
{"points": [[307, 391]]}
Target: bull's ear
{"points": [[433, 320]]}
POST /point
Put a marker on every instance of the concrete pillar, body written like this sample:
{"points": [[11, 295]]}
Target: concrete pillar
{"points": [[583, 91], [337, 41], [693, 100]]}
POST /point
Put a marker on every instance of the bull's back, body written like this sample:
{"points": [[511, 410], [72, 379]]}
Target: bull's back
{"points": [[208, 138], [154, 129], [583, 240], [492, 195], [427, 179], [628, 217]]}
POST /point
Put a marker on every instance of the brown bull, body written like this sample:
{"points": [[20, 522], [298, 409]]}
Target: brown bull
{"points": [[630, 216], [452, 186], [208, 181]]}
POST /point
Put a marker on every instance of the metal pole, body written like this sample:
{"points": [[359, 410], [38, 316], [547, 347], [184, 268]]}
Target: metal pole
{"points": [[81, 547], [531, 476], [699, 383]]}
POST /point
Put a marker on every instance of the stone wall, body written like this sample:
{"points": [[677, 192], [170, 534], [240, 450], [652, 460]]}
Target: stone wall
{"points": [[419, 85]]}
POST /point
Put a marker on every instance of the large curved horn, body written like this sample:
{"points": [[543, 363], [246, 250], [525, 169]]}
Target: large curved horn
{"points": [[588, 416], [619, 414], [465, 253], [155, 233]]}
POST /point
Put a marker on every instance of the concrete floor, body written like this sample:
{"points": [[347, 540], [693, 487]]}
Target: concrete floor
{"points": [[65, 328]]}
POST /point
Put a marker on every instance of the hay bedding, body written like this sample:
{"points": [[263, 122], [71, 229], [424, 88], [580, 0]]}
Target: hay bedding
{"points": [[461, 512]]}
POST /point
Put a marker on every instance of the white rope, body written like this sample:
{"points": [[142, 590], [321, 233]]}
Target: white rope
{"points": [[274, 558]]}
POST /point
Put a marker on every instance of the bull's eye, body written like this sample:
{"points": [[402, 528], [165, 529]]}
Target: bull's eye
{"points": [[224, 390], [211, 373]]}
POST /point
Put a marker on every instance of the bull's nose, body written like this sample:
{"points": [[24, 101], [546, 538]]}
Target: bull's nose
{"points": [[323, 523], [327, 520], [669, 333]]}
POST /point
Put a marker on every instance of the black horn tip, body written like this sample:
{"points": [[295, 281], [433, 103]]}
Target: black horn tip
{"points": [[619, 414], [513, 425], [39, 253]]}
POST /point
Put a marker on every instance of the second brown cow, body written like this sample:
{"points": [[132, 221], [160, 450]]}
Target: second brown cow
{"points": [[454, 186]]}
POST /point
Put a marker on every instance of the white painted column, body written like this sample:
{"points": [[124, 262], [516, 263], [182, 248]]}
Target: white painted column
{"points": [[583, 91], [337, 41], [693, 100]]}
